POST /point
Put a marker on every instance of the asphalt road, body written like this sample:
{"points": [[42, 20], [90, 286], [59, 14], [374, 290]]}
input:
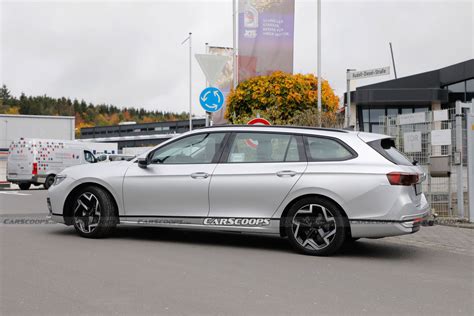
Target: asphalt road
{"points": [[47, 269]]}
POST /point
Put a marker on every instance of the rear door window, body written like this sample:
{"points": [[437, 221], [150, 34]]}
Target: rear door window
{"points": [[264, 147]]}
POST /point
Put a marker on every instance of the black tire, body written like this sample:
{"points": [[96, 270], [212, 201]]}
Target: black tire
{"points": [[350, 240], [312, 222], [104, 218], [24, 186], [49, 181]]}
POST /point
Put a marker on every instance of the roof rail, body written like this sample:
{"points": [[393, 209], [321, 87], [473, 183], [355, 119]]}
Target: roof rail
{"points": [[337, 130]]}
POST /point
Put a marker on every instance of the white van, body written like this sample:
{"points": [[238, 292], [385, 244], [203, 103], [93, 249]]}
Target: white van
{"points": [[38, 161]]}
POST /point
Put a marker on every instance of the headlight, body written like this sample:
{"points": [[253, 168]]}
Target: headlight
{"points": [[59, 178]]}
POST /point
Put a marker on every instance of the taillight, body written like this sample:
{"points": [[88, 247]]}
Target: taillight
{"points": [[400, 178], [35, 169]]}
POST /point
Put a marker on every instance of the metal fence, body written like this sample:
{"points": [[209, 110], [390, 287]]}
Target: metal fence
{"points": [[439, 190]]}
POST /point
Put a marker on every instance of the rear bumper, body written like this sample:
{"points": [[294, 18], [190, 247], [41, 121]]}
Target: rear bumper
{"points": [[378, 228], [23, 179], [386, 228]]}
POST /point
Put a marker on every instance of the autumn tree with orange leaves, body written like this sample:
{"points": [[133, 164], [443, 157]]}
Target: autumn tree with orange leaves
{"points": [[282, 99]]}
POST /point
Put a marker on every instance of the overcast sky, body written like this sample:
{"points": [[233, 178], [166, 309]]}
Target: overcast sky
{"points": [[129, 53]]}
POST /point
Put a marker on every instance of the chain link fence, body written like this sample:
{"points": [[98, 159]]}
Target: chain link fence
{"points": [[439, 190]]}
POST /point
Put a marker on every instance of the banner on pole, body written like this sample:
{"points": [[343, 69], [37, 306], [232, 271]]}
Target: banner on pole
{"points": [[266, 29], [224, 81]]}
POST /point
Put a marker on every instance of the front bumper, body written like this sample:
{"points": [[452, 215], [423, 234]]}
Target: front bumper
{"points": [[57, 195], [54, 217]]}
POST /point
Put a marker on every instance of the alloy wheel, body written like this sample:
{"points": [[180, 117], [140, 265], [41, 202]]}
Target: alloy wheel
{"points": [[314, 227], [87, 212]]}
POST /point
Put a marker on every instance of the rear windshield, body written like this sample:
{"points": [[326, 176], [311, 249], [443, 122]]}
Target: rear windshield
{"points": [[386, 147]]}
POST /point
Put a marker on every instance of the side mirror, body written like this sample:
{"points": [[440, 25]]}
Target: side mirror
{"points": [[142, 162]]}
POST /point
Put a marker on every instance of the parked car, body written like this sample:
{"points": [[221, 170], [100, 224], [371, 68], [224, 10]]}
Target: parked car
{"points": [[38, 161], [114, 157], [317, 187]]}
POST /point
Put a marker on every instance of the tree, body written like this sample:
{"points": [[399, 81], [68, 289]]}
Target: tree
{"points": [[87, 114], [5, 94], [280, 98]]}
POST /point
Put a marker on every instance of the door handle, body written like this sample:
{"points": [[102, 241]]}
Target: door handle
{"points": [[199, 175], [286, 173]]}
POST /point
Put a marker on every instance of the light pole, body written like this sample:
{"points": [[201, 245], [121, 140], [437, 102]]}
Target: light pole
{"points": [[234, 44], [190, 80], [319, 61], [348, 103]]}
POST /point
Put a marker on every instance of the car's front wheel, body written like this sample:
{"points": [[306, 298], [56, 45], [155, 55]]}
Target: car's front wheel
{"points": [[94, 213], [315, 226]]}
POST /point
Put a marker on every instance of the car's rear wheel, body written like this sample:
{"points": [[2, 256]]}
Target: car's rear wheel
{"points": [[24, 186], [49, 181], [315, 226], [94, 213]]}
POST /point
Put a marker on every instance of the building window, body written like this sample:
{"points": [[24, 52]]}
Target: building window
{"points": [[392, 112], [459, 87]]}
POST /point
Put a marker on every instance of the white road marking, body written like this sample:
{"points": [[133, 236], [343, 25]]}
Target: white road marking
{"points": [[13, 193]]}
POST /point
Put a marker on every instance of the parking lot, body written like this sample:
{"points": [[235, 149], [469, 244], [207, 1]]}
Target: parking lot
{"points": [[47, 269]]}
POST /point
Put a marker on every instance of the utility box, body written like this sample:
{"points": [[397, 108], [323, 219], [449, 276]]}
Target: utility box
{"points": [[439, 166]]}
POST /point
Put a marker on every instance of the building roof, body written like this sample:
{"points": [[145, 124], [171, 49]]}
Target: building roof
{"points": [[430, 79], [423, 88]]}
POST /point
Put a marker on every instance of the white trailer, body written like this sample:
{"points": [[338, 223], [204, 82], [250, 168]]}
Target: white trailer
{"points": [[38, 161], [13, 127]]}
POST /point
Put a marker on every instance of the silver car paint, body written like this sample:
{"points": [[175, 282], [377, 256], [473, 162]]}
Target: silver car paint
{"points": [[167, 190], [252, 189], [359, 186]]}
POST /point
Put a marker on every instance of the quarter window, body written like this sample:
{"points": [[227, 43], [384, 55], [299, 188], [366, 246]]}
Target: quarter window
{"points": [[325, 149], [262, 147], [195, 149]]}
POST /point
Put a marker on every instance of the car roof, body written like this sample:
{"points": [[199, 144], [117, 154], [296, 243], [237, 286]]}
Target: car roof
{"points": [[279, 128]]}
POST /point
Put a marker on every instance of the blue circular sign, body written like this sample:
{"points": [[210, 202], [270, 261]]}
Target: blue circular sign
{"points": [[211, 99]]}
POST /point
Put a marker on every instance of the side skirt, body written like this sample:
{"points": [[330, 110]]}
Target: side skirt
{"points": [[233, 224]]}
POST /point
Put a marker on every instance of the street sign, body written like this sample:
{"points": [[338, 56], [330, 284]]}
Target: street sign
{"points": [[412, 142], [211, 99], [258, 121], [411, 118], [441, 137], [212, 66], [353, 75]]}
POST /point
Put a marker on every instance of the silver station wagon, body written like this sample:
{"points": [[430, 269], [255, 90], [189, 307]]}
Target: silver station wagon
{"points": [[317, 187]]}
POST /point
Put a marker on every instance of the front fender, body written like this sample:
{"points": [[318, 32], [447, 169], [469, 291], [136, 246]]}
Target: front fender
{"points": [[113, 186]]}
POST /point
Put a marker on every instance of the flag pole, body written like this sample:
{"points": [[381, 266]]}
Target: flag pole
{"points": [[319, 63], [190, 80], [234, 44]]}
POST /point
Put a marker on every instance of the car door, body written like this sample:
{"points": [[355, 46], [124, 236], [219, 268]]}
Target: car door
{"points": [[256, 173], [176, 181]]}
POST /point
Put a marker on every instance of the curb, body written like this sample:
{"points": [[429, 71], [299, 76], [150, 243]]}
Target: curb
{"points": [[453, 223]]}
